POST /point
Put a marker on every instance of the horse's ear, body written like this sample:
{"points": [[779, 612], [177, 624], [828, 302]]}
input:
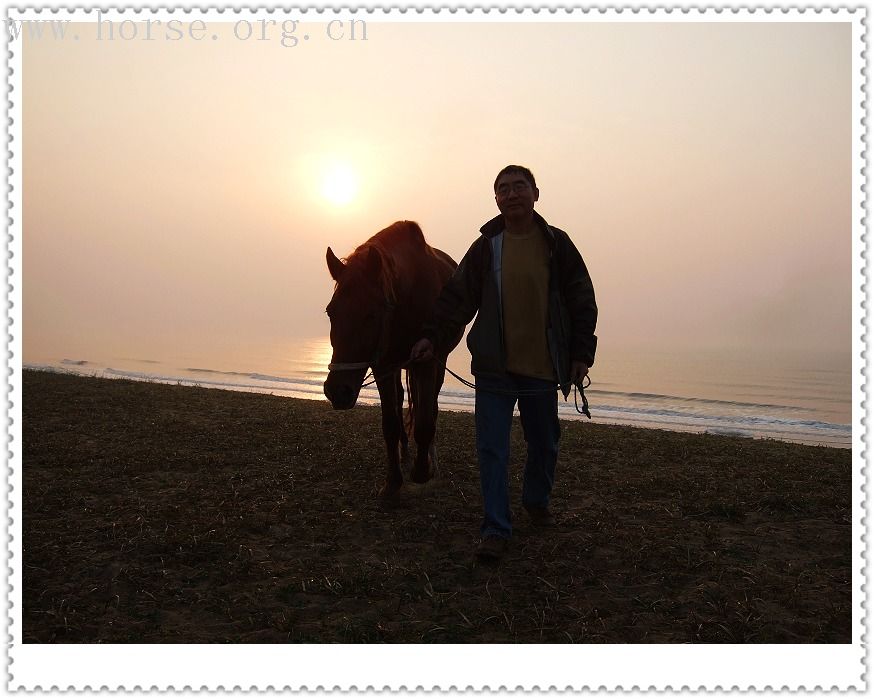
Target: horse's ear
{"points": [[374, 264], [335, 266]]}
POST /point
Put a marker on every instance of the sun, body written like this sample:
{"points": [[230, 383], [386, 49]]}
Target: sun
{"points": [[339, 184]]}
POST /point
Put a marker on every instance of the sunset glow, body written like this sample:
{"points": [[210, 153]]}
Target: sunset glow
{"points": [[736, 215]]}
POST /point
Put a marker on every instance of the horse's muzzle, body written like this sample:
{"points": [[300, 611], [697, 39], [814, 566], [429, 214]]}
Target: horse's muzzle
{"points": [[342, 388]]}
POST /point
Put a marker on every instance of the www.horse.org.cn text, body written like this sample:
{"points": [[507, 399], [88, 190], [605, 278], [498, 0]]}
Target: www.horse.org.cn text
{"points": [[284, 32]]}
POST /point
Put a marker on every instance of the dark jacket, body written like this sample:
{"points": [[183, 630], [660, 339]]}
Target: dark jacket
{"points": [[476, 286]]}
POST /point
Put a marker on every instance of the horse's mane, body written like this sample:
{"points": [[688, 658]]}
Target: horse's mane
{"points": [[393, 245]]}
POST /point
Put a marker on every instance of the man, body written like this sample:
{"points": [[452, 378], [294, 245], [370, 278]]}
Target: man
{"points": [[535, 331]]}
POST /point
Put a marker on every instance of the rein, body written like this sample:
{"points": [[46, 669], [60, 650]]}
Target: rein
{"points": [[579, 388], [534, 391]]}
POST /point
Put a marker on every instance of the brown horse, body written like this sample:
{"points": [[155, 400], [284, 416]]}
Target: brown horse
{"points": [[384, 293]]}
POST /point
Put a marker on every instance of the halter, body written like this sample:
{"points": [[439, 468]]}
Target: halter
{"points": [[381, 346]]}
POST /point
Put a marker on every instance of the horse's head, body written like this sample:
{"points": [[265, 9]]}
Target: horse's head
{"points": [[359, 315]]}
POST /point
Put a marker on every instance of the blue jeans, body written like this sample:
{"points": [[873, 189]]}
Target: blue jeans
{"points": [[494, 418]]}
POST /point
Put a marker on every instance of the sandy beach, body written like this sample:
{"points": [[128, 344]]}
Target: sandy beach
{"points": [[168, 514]]}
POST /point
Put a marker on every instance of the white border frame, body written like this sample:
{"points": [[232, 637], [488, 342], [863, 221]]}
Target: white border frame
{"points": [[445, 667]]}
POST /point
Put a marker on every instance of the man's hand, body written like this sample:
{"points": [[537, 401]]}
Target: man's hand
{"points": [[422, 351], [579, 371]]}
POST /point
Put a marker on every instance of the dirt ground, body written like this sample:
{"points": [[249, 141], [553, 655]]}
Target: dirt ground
{"points": [[166, 514]]}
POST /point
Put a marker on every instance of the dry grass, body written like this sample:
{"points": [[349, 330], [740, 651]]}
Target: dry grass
{"points": [[157, 513]]}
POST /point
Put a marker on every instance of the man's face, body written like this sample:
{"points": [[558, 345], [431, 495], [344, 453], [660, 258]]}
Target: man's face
{"points": [[515, 196]]}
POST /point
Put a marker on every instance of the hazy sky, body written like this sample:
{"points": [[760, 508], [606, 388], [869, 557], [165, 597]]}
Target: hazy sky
{"points": [[173, 190]]}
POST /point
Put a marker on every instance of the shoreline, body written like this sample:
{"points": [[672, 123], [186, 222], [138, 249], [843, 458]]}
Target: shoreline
{"points": [[373, 401]]}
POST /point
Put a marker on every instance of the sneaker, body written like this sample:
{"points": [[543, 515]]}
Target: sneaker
{"points": [[540, 516], [492, 548]]}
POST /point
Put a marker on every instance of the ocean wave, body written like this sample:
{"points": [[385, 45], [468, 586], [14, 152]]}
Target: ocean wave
{"points": [[277, 383], [839, 437], [745, 420], [685, 399], [809, 431], [255, 376]]}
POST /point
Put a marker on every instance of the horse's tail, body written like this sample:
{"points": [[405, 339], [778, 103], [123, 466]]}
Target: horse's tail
{"points": [[409, 420]]}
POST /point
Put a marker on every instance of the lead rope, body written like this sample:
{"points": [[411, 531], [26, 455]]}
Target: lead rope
{"points": [[579, 388]]}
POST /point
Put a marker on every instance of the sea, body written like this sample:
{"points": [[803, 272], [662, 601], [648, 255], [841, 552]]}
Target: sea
{"points": [[795, 398]]}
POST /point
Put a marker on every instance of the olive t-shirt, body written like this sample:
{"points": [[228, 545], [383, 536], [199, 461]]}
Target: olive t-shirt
{"points": [[525, 295]]}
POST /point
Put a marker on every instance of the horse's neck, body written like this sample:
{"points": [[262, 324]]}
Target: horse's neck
{"points": [[413, 301]]}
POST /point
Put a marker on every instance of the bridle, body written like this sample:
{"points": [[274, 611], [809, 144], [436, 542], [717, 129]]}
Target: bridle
{"points": [[388, 310]]}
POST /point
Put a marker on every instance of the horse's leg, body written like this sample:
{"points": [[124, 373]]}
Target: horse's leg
{"points": [[405, 442], [425, 382], [391, 432]]}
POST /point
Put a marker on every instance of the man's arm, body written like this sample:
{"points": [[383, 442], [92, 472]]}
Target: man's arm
{"points": [[579, 295]]}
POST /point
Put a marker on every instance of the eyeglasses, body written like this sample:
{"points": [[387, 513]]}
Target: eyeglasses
{"points": [[504, 189]]}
